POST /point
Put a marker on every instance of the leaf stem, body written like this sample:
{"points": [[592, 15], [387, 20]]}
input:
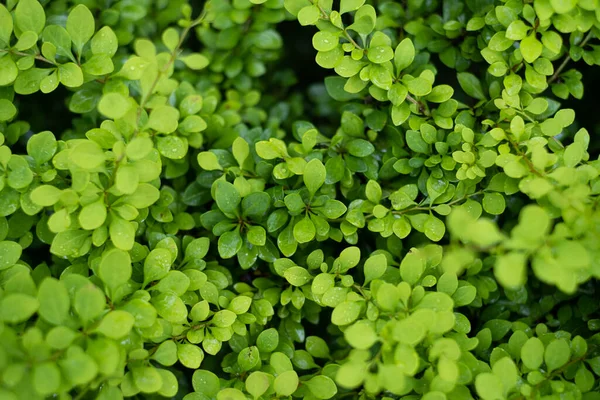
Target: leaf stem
{"points": [[169, 63], [37, 56], [565, 62], [418, 103]]}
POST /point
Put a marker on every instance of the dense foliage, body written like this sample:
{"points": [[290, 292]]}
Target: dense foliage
{"points": [[211, 217]]}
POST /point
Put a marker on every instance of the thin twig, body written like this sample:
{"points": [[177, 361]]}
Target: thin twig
{"points": [[174, 55], [565, 62]]}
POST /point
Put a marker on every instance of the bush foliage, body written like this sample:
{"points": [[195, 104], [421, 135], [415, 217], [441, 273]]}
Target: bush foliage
{"points": [[205, 219]]}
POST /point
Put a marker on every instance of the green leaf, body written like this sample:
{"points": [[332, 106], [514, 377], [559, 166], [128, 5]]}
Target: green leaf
{"points": [[351, 374], [531, 48], [286, 383], [127, 179], [81, 26], [122, 233], [314, 175], [147, 379], [231, 394], [309, 15], [30, 16], [297, 276], [322, 387], [189, 355], [46, 378], [89, 302], [105, 42], [17, 307], [227, 197], [532, 353], [404, 54], [8, 70], [11, 252], [257, 383], [488, 386], [325, 41], [345, 313], [54, 301], [361, 335], [206, 382], [304, 230], [70, 75], [471, 85], [418, 86], [115, 268], [164, 119], [7, 110], [375, 267], [114, 105], [6, 25], [434, 228], [248, 358], [412, 267], [557, 354], [93, 215], [268, 340], [350, 5], [42, 147], [195, 61], [380, 54], [360, 148], [229, 243], [440, 94]]}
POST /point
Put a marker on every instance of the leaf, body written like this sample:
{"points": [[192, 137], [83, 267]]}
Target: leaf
{"points": [[257, 383], [81, 26], [314, 175], [531, 48], [54, 301], [488, 386], [345, 313], [42, 147], [195, 61], [532, 353], [46, 378], [412, 267], [6, 25], [113, 105], [115, 268], [205, 382], [309, 15], [361, 336], [164, 119], [322, 387], [557, 354], [227, 197], [89, 302], [30, 16], [105, 42], [8, 70], [286, 383], [350, 5], [10, 252], [404, 54], [297, 276], [7, 110], [434, 228], [471, 85], [304, 230], [17, 307], [375, 267]]}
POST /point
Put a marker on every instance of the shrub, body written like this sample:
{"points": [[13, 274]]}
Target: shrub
{"points": [[215, 218]]}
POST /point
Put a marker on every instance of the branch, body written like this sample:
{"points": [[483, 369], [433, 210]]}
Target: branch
{"points": [[565, 62]]}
